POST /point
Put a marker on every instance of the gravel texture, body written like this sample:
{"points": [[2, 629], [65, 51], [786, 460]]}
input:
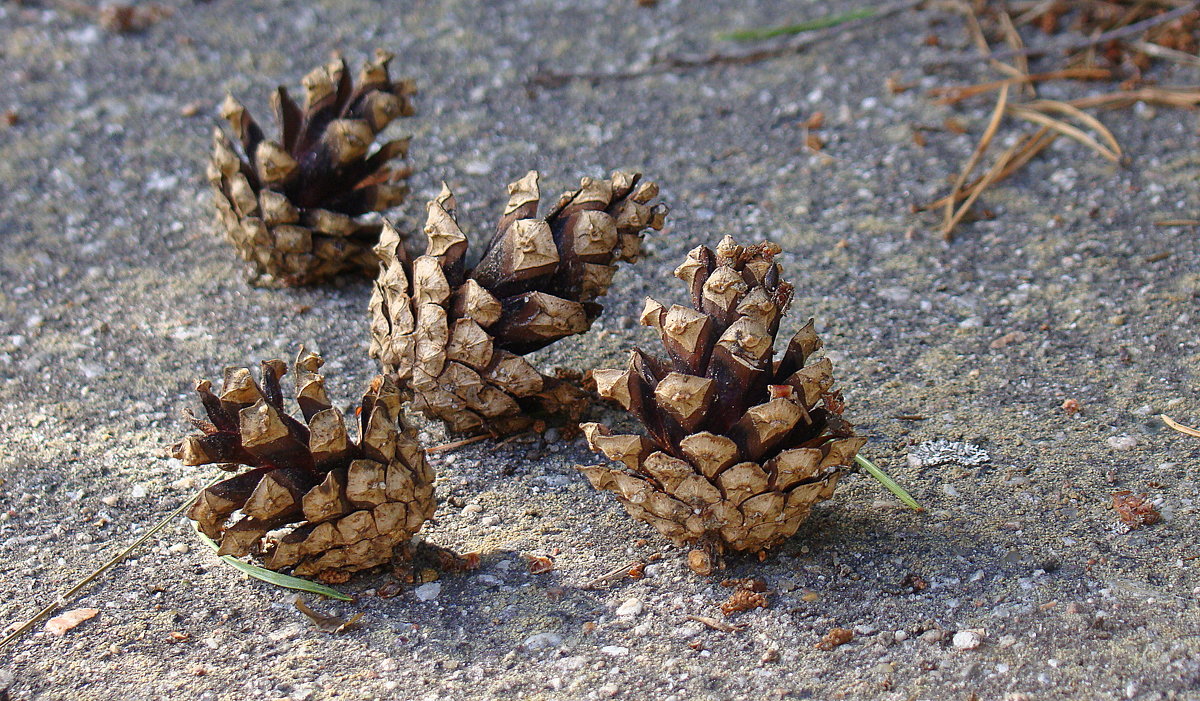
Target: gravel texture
{"points": [[1018, 583]]}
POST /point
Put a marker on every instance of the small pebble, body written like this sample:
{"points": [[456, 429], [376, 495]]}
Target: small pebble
{"points": [[615, 650], [489, 521], [865, 629], [539, 641], [180, 548], [1122, 442], [138, 492], [472, 509], [110, 500], [967, 640], [630, 607], [901, 636], [428, 592], [933, 636]]}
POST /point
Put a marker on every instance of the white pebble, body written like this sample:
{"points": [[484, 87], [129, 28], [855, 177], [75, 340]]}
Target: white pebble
{"points": [[901, 636], [615, 650], [967, 640], [138, 492], [428, 592], [180, 548], [630, 607], [1122, 442], [538, 641], [492, 520]]}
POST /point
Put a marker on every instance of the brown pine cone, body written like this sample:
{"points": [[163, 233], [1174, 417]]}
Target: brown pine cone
{"points": [[294, 207], [456, 335], [740, 446], [348, 503]]}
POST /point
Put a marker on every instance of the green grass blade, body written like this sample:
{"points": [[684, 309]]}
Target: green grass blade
{"points": [[888, 482], [786, 30], [279, 580]]}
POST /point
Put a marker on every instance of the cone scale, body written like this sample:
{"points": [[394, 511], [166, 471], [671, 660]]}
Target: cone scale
{"points": [[740, 444], [294, 207], [457, 335], [313, 500]]}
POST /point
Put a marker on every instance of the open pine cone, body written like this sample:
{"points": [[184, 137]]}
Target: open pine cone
{"points": [[293, 207], [740, 446], [456, 335], [349, 503]]}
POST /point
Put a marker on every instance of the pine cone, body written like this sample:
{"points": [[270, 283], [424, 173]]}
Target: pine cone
{"points": [[350, 503], [293, 207], [456, 335], [740, 447]]}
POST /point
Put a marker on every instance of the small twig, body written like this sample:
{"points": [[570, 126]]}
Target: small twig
{"points": [[1186, 430], [1178, 222], [68, 594], [454, 445], [679, 62], [1074, 44], [715, 624], [614, 574]]}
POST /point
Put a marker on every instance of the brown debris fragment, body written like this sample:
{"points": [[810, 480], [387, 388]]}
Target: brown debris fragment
{"points": [[126, 19], [1135, 510], [539, 564], [60, 624], [325, 623], [835, 638], [743, 600]]}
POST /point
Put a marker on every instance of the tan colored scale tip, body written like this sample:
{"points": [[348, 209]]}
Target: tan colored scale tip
{"points": [[275, 165], [685, 397], [523, 192], [318, 87], [747, 341], [533, 247], [349, 139]]}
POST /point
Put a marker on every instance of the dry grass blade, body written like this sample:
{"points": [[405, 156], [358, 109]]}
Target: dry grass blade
{"points": [[1029, 146], [1166, 54], [1186, 430], [958, 93], [990, 177], [1183, 96], [1087, 119], [1177, 222], [1014, 41], [950, 218], [1068, 130]]}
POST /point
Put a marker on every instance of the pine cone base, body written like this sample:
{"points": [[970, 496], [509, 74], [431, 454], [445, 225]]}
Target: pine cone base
{"points": [[740, 446], [314, 500]]}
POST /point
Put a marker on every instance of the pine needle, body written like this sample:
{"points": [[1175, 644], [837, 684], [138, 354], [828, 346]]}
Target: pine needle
{"points": [[116, 559], [279, 580], [888, 482], [790, 29], [1186, 430]]}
